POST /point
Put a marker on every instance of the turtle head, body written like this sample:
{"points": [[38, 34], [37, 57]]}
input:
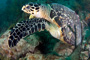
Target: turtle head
{"points": [[37, 10], [31, 8]]}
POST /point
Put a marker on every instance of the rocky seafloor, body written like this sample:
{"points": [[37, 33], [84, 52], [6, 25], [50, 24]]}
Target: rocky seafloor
{"points": [[28, 49]]}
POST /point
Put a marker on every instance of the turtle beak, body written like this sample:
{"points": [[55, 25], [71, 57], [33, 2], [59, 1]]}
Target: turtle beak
{"points": [[23, 8]]}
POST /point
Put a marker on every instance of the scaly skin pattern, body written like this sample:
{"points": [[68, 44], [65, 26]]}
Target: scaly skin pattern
{"points": [[25, 28]]}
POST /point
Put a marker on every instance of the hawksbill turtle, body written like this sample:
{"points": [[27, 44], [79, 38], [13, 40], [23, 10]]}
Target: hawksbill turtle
{"points": [[62, 23]]}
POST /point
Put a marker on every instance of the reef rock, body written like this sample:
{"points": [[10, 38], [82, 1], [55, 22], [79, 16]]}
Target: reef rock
{"points": [[18, 51]]}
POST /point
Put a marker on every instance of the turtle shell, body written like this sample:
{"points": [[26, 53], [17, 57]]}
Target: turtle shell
{"points": [[68, 21]]}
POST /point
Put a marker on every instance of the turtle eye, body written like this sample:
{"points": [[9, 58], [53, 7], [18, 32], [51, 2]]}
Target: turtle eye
{"points": [[28, 7]]}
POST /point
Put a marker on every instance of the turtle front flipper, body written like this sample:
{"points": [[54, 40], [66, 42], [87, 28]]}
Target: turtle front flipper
{"points": [[25, 28]]}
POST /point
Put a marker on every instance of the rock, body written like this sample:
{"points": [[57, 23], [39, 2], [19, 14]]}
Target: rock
{"points": [[21, 48], [26, 49]]}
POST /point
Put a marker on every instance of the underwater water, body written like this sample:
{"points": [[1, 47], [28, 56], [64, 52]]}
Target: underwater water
{"points": [[39, 38]]}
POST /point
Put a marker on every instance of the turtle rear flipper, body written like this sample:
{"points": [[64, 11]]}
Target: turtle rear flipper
{"points": [[25, 28]]}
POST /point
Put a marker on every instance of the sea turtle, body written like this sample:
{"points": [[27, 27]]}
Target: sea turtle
{"points": [[62, 23]]}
